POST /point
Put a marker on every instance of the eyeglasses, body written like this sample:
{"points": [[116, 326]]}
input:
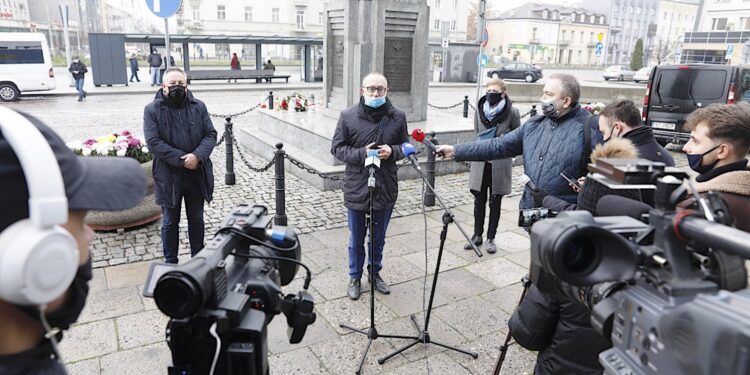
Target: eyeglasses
{"points": [[379, 89]]}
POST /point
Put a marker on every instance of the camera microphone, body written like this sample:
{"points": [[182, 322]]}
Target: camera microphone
{"points": [[409, 152], [526, 181], [615, 205]]}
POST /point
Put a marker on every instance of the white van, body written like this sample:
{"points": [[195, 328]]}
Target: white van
{"points": [[25, 65]]}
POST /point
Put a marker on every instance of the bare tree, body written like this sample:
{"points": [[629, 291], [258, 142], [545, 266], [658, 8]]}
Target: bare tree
{"points": [[472, 19], [663, 50]]}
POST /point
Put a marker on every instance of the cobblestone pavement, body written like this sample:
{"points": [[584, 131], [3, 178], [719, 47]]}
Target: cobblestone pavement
{"points": [[121, 332]]}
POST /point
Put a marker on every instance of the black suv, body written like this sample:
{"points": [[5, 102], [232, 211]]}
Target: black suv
{"points": [[674, 91], [526, 72]]}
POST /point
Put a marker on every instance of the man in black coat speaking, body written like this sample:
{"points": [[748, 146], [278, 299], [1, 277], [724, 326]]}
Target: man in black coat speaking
{"points": [[180, 135], [373, 124]]}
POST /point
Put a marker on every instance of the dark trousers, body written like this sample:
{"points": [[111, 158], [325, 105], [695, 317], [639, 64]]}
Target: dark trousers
{"points": [[480, 205], [170, 227], [358, 229], [134, 74]]}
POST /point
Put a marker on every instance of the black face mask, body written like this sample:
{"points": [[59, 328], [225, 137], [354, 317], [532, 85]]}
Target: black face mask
{"points": [[494, 97], [176, 94]]}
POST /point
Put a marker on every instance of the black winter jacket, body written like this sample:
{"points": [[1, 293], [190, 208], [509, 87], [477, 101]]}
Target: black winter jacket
{"points": [[172, 132], [643, 139], [560, 329], [355, 130], [78, 67]]}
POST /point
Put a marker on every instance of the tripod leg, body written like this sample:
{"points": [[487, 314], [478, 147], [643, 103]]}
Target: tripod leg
{"points": [[364, 355], [398, 351], [475, 355], [353, 329]]}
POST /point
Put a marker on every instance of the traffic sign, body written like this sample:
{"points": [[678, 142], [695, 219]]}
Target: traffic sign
{"points": [[163, 8], [730, 51], [445, 42], [483, 59], [677, 54], [600, 36], [598, 48], [485, 38]]}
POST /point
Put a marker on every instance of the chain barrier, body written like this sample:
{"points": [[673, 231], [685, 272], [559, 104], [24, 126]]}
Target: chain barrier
{"points": [[242, 112], [445, 107], [310, 170], [221, 140], [528, 113], [247, 164], [472, 106]]}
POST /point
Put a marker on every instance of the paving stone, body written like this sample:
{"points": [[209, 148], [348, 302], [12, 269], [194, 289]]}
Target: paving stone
{"points": [[448, 261], [85, 341], [499, 271], [506, 298], [406, 298], [355, 314], [148, 302], [473, 317], [521, 258], [436, 364], [111, 303], [152, 359], [439, 332], [99, 282], [86, 367], [517, 360], [127, 274], [342, 356], [301, 361], [512, 242], [140, 329]]}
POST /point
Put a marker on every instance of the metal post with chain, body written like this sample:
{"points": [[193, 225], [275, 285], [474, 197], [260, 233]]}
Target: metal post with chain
{"points": [[279, 175], [270, 100], [466, 106], [229, 178]]}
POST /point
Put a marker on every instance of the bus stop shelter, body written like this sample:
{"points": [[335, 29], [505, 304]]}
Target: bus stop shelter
{"points": [[108, 60]]}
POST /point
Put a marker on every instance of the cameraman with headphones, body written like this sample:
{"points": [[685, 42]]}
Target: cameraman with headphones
{"points": [[45, 265]]}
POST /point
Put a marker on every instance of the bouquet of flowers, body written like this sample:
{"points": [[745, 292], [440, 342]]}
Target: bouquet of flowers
{"points": [[122, 144], [594, 108]]}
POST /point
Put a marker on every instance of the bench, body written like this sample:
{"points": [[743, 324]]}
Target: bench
{"points": [[228, 74]]}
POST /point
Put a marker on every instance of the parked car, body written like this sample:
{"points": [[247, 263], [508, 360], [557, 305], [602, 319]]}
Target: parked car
{"points": [[618, 72], [517, 70], [642, 74], [25, 65], [674, 91]]}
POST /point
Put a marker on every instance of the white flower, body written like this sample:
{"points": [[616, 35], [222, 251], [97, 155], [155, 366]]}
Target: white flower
{"points": [[74, 145], [144, 149], [86, 151], [122, 151], [121, 139]]}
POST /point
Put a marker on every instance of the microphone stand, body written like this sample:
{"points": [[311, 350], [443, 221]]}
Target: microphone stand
{"points": [[372, 332], [424, 335]]}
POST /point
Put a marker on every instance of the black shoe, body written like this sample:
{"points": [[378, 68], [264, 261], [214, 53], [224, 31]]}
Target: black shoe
{"points": [[353, 290], [84, 94], [477, 240], [381, 285], [490, 246], [80, 100]]}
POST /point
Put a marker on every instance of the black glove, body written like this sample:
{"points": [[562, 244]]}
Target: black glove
{"points": [[538, 196]]}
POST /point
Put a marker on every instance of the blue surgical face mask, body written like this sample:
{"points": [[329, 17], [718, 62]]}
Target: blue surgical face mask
{"points": [[696, 161], [374, 101]]}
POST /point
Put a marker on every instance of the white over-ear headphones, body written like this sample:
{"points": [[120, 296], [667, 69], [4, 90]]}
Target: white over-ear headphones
{"points": [[38, 258]]}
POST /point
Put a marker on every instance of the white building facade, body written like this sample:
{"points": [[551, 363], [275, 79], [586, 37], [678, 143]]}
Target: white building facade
{"points": [[723, 35], [448, 18], [674, 18], [14, 16], [629, 20]]}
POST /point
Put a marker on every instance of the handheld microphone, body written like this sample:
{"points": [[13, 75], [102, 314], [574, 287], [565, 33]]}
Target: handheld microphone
{"points": [[526, 180], [419, 136], [409, 153], [372, 162]]}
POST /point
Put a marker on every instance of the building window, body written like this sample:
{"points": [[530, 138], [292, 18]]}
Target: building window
{"points": [[275, 15], [436, 24], [582, 36], [455, 4], [248, 14], [300, 19], [320, 18], [744, 23], [555, 15], [719, 24], [437, 3], [592, 19], [221, 12], [545, 14], [601, 20], [664, 18], [196, 14], [591, 37], [533, 33], [581, 18], [453, 25], [564, 32]]}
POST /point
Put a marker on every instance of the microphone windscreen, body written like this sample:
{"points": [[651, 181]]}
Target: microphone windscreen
{"points": [[615, 205], [372, 153], [408, 149], [418, 135]]}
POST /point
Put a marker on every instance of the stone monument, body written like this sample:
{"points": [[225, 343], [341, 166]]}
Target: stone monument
{"points": [[387, 36], [362, 36]]}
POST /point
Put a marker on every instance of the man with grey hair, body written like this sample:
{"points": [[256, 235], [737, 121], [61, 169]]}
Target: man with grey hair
{"points": [[558, 141], [373, 124]]}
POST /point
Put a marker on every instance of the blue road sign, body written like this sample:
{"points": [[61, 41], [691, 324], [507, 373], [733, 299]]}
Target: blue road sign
{"points": [[163, 8], [598, 48], [483, 59], [730, 51]]}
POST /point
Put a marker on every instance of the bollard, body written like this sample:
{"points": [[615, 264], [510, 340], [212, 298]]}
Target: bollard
{"points": [[532, 112], [429, 196], [279, 155], [466, 106], [228, 141], [270, 100]]}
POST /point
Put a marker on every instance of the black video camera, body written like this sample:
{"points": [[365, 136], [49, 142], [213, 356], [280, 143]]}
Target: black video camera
{"points": [[648, 285], [221, 301]]}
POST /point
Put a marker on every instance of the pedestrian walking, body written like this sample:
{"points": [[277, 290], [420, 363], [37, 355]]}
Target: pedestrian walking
{"points": [[78, 70], [154, 63], [134, 68], [234, 64]]}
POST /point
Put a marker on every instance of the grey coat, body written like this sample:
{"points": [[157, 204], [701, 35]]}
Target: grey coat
{"points": [[501, 168]]}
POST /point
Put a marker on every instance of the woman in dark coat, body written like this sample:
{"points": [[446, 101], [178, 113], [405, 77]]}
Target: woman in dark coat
{"points": [[134, 68], [495, 115]]}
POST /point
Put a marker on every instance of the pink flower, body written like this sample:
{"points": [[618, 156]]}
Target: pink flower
{"points": [[125, 133], [133, 142], [89, 142]]}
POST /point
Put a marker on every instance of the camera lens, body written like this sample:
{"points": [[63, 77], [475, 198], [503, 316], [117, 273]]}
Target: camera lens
{"points": [[177, 296], [579, 255]]}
